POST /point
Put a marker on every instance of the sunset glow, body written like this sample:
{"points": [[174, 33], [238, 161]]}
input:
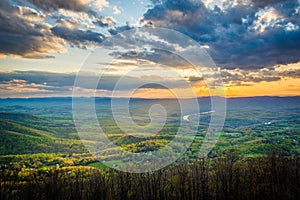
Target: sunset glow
{"points": [[253, 45]]}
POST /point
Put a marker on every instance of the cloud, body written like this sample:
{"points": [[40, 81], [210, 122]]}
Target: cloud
{"points": [[31, 14], [117, 11], [225, 4], [290, 73], [119, 29], [105, 21], [24, 34], [61, 84], [53, 5], [262, 4], [77, 37], [62, 81], [82, 11], [38, 77], [159, 56], [100, 4], [75, 5], [195, 79], [239, 35], [242, 77], [36, 28], [17, 87]]}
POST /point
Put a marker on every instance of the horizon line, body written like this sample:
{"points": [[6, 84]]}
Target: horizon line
{"points": [[145, 98]]}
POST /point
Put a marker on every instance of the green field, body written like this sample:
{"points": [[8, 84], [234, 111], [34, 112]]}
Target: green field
{"points": [[43, 157], [41, 132]]}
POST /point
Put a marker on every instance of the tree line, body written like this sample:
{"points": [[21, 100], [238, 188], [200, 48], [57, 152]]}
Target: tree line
{"points": [[224, 177]]}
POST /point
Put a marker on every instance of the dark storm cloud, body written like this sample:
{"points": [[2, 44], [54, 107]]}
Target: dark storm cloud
{"points": [[239, 36], [182, 16], [274, 47], [20, 34], [28, 32]]}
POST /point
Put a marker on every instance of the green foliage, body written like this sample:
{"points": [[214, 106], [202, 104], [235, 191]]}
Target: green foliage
{"points": [[48, 127], [225, 177], [40, 149]]}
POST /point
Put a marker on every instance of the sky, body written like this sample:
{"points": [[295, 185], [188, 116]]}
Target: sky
{"points": [[238, 48]]}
